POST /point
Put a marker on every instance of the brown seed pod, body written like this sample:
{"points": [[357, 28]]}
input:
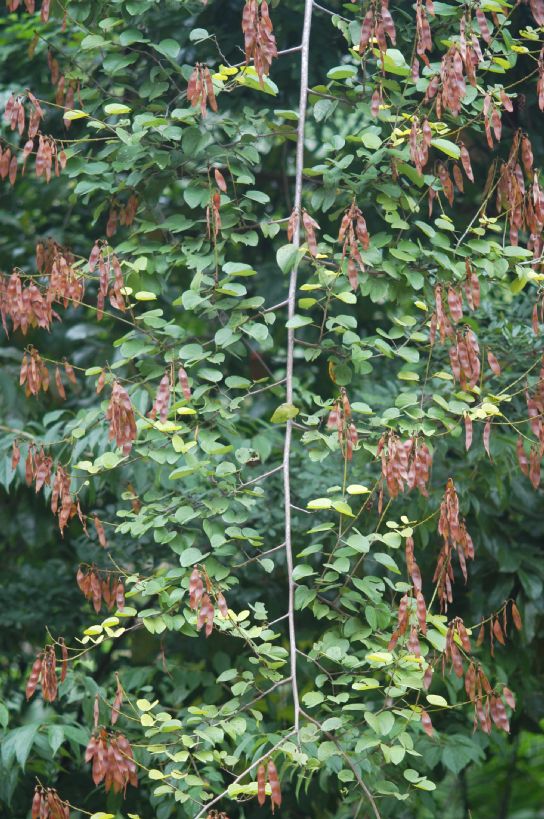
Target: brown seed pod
{"points": [[426, 722], [516, 617], [34, 677], [64, 663], [261, 785], [274, 781]]}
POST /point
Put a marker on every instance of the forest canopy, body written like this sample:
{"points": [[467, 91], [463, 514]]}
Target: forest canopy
{"points": [[271, 409]]}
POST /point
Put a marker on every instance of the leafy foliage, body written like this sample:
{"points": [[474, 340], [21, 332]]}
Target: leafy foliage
{"points": [[271, 410]]}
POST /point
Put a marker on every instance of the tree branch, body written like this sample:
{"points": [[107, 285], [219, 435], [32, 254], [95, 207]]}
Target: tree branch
{"points": [[291, 303], [260, 477], [347, 758], [217, 799]]}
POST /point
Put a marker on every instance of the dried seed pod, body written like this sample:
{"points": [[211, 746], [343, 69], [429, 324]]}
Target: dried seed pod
{"points": [[468, 431], [205, 615], [426, 722], [15, 455], [120, 596], [493, 363], [162, 399], [100, 532], [497, 631], [69, 370], [516, 617], [220, 180], [184, 383], [274, 781], [222, 605], [310, 227], [117, 702], [49, 675], [64, 664], [59, 385], [470, 682], [96, 591], [463, 634], [261, 785], [509, 697], [259, 39], [34, 677], [37, 803], [481, 635], [522, 457], [421, 612], [196, 588], [486, 436]]}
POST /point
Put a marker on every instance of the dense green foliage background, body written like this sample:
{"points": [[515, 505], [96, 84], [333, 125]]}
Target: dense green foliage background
{"points": [[196, 505]]}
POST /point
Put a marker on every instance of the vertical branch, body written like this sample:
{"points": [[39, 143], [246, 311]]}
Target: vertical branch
{"points": [[305, 49]]}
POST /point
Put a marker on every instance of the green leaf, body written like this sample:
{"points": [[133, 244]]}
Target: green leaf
{"points": [[287, 256], [144, 705], [302, 570], [116, 108], [198, 34], [370, 140], [342, 72], [169, 48], [4, 715], [74, 114], [249, 77], [145, 295], [284, 413], [320, 503], [343, 507], [55, 736], [332, 724], [18, 743], [387, 561], [190, 556], [298, 321], [380, 723], [436, 699], [92, 41], [393, 62], [447, 147], [313, 698]]}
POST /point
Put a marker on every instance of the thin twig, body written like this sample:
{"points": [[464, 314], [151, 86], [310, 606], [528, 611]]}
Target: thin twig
{"points": [[268, 691], [259, 556], [292, 50], [347, 758], [261, 477], [206, 808], [278, 620], [332, 13], [266, 387], [277, 306]]}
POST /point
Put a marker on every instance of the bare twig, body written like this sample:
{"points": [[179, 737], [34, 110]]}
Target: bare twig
{"points": [[292, 50], [260, 477], [291, 303], [266, 387], [217, 799], [332, 13], [348, 760], [259, 556]]}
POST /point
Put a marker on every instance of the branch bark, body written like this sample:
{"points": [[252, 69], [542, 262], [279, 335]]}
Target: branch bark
{"points": [[303, 101]]}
